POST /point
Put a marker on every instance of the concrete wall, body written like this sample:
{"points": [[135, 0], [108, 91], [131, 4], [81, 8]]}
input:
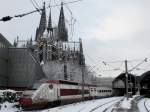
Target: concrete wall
{"points": [[23, 69], [3, 66], [4, 44], [55, 70]]}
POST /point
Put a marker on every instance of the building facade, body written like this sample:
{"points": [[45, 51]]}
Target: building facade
{"points": [[51, 56], [4, 45]]}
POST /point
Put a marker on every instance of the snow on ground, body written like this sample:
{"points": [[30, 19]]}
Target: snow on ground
{"points": [[147, 103], [141, 105], [126, 103], [8, 107], [107, 107], [7, 90], [84, 106]]}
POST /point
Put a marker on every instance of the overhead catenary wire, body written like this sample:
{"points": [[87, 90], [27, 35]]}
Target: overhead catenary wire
{"points": [[36, 3], [113, 68], [72, 21], [35, 6], [145, 60], [8, 18], [134, 68]]}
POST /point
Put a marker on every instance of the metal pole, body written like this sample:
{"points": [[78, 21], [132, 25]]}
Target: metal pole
{"points": [[126, 72], [82, 67]]}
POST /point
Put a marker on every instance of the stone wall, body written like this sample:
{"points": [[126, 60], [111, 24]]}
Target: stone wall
{"points": [[4, 44], [23, 68]]}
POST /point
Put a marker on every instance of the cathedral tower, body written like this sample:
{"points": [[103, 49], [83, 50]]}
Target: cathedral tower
{"points": [[40, 30], [62, 31]]}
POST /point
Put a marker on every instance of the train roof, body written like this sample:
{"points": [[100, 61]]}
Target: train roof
{"points": [[60, 82], [67, 82]]}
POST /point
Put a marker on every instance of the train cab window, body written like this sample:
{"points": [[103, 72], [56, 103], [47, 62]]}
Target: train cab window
{"points": [[36, 86]]}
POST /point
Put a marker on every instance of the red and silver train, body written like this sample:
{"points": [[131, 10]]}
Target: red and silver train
{"points": [[57, 92]]}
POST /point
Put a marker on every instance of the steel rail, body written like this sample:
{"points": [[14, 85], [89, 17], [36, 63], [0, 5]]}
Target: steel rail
{"points": [[117, 103], [92, 110], [146, 106]]}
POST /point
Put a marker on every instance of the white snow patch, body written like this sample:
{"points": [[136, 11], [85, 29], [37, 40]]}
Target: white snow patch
{"points": [[7, 90], [126, 103], [147, 103], [9, 107], [141, 106]]}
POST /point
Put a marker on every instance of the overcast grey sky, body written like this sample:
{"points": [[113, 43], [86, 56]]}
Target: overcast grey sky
{"points": [[111, 29]]}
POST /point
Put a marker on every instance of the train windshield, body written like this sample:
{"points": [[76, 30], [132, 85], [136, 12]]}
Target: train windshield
{"points": [[36, 86]]}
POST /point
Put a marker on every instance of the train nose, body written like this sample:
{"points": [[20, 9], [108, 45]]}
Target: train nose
{"points": [[25, 101]]}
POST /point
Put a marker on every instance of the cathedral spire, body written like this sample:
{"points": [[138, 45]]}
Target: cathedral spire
{"points": [[42, 25], [62, 31], [81, 57], [49, 28]]}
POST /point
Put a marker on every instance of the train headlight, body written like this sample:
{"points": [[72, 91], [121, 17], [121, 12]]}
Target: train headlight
{"points": [[50, 86]]}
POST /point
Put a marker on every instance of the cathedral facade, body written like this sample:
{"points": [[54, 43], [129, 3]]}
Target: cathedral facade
{"points": [[50, 56]]}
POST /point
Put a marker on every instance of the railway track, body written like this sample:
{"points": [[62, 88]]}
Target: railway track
{"points": [[115, 104], [146, 106], [107, 108]]}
